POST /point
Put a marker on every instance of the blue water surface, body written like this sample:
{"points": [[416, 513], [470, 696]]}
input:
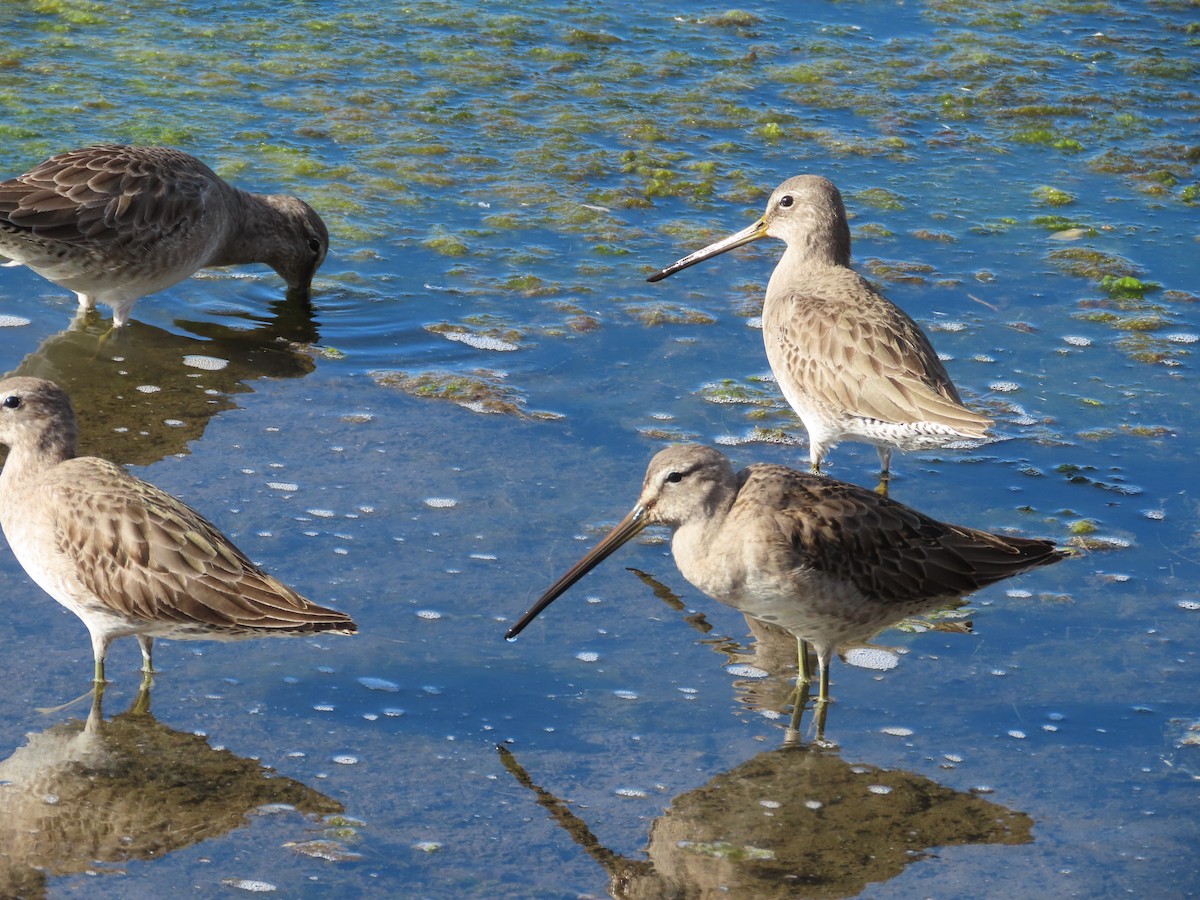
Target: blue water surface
{"points": [[499, 179]]}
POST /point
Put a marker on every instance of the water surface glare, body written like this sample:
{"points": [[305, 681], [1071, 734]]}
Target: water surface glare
{"points": [[473, 397]]}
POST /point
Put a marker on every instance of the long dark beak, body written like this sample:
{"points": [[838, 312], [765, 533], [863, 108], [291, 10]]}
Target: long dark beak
{"points": [[627, 528], [745, 236]]}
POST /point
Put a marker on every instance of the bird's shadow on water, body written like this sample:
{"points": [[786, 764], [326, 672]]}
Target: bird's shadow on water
{"points": [[82, 794], [143, 393]]}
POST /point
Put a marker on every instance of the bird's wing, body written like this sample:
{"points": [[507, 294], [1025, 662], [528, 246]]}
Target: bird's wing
{"points": [[109, 193], [866, 356], [885, 549], [143, 553]]}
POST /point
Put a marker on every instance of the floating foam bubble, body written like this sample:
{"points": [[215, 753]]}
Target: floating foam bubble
{"points": [[480, 341], [207, 363], [872, 658], [743, 671], [247, 884]]}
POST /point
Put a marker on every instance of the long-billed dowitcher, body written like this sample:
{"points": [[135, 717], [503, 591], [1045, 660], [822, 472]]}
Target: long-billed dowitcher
{"points": [[826, 560], [114, 223], [852, 364], [123, 555]]}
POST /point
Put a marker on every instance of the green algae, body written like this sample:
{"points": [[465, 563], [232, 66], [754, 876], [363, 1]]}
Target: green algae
{"points": [[879, 198], [1086, 262], [898, 271], [447, 244], [480, 390], [1050, 196], [657, 313]]}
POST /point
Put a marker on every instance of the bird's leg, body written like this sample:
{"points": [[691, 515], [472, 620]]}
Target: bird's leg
{"points": [[147, 644], [799, 703], [885, 470], [99, 653], [803, 669], [824, 658]]}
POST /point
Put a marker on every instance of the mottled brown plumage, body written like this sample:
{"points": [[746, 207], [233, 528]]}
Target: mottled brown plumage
{"points": [[123, 555], [828, 561], [113, 223], [852, 364]]}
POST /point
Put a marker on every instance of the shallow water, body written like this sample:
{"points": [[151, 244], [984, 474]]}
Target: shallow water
{"points": [[485, 374]]}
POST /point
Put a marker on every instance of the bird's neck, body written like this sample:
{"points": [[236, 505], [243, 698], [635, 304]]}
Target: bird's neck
{"points": [[252, 229], [26, 461], [693, 541]]}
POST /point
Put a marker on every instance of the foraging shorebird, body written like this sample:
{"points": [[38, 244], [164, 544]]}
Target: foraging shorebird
{"points": [[114, 223]]}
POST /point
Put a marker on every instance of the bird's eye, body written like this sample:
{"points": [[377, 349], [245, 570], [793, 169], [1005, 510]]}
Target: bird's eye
{"points": [[786, 200], [314, 244], [675, 477], [12, 401]]}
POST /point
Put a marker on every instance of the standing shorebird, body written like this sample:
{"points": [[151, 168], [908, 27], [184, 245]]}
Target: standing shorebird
{"points": [[852, 364], [828, 561], [123, 555], [114, 223]]}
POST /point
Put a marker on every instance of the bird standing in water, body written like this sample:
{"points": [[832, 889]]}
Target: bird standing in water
{"points": [[852, 364], [123, 555], [828, 561], [114, 223]]}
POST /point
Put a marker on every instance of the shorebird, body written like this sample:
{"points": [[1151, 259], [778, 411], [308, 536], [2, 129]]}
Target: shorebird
{"points": [[828, 561], [114, 223], [852, 364], [123, 555]]}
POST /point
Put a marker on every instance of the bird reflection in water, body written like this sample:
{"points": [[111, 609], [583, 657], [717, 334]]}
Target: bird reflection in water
{"points": [[796, 821], [144, 393], [101, 791]]}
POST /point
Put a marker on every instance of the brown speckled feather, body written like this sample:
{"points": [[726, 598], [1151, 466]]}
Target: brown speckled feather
{"points": [[862, 359], [146, 555], [828, 561], [887, 551], [852, 364], [123, 555], [109, 194], [113, 223]]}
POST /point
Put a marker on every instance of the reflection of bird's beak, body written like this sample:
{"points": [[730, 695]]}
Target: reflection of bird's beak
{"points": [[627, 528], [745, 236]]}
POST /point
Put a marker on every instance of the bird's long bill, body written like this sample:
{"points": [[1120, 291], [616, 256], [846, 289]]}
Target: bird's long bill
{"points": [[745, 236], [627, 528]]}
